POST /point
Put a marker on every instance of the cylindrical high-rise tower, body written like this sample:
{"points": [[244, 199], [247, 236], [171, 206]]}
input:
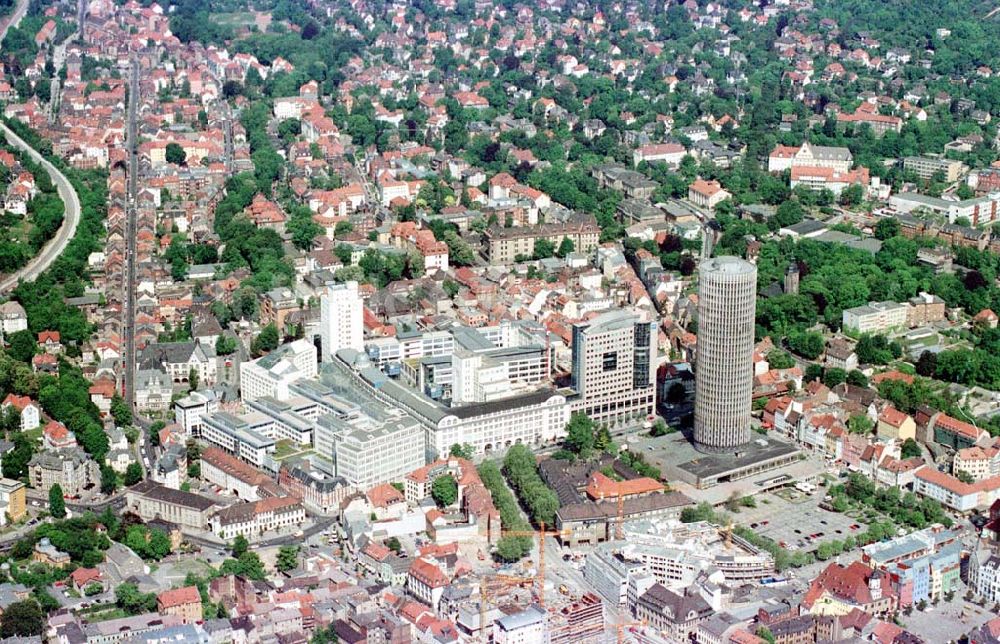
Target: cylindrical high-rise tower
{"points": [[727, 299]]}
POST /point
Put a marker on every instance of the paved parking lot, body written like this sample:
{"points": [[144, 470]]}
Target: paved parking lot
{"points": [[791, 520]]}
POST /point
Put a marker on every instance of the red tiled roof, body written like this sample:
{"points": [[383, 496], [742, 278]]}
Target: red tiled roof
{"points": [[892, 416], [604, 487], [233, 466], [657, 149], [829, 175], [846, 583], [56, 431], [18, 402], [376, 551], [428, 574], [885, 632], [706, 188], [104, 388], [178, 597], [83, 576], [955, 486], [956, 426], [383, 495]]}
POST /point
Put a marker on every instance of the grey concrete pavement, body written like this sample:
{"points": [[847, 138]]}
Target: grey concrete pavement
{"points": [[71, 217], [15, 18]]}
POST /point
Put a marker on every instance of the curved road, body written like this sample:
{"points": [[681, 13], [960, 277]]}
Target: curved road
{"points": [[15, 17], [71, 218]]}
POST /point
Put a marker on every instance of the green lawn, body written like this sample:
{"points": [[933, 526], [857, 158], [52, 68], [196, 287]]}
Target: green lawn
{"points": [[34, 434], [284, 449], [233, 19], [104, 614]]}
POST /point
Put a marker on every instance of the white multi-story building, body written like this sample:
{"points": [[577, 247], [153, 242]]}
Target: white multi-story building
{"points": [[980, 211], [239, 436], [609, 574], [409, 345], [675, 554], [481, 374], [984, 573], [372, 452], [953, 493], [614, 367], [785, 157], [12, 318], [670, 153], [182, 359], [978, 462], [525, 627], [341, 319], [876, 317], [426, 581], [255, 518], [271, 375], [189, 410], [153, 390], [28, 409], [283, 420], [535, 419]]}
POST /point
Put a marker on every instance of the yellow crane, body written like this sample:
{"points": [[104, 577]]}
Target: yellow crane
{"points": [[486, 591], [541, 533], [620, 628]]}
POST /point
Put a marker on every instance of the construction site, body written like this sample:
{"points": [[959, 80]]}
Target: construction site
{"points": [[540, 603]]}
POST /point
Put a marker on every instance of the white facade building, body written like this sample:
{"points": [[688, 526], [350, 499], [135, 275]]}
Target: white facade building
{"points": [[12, 318], [341, 319], [534, 419], [189, 410], [240, 437], [525, 627], [253, 519], [272, 374], [875, 317], [371, 453]]}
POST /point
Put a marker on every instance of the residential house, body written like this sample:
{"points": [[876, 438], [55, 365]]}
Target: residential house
{"points": [[28, 409], [895, 425], [184, 603], [707, 194]]}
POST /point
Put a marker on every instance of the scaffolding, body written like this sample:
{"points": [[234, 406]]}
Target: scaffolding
{"points": [[491, 585], [541, 533]]}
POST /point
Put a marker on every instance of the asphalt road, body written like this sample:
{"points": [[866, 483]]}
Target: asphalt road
{"points": [[129, 278], [320, 524], [15, 18], [116, 501], [71, 218]]}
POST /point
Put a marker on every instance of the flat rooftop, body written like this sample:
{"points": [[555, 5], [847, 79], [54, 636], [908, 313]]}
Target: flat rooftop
{"points": [[677, 457], [706, 466]]}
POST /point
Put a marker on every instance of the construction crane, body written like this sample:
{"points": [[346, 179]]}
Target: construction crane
{"points": [[619, 527], [505, 581], [565, 632], [541, 533], [620, 628]]}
